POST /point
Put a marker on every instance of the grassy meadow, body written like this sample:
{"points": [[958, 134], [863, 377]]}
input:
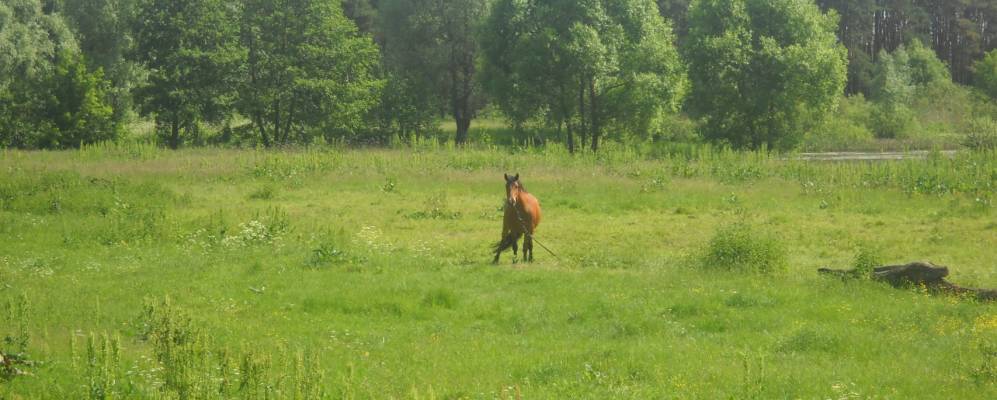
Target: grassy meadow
{"points": [[132, 272]]}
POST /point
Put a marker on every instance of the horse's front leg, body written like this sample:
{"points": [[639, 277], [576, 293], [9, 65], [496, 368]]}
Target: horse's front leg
{"points": [[515, 248]]}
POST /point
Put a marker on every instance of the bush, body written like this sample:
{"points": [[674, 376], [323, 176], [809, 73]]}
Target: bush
{"points": [[14, 338], [866, 259], [892, 121], [981, 134], [902, 77], [985, 74], [849, 127], [741, 248], [941, 108], [675, 128]]}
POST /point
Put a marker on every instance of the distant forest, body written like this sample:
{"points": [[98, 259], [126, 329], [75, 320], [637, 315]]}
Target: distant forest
{"points": [[747, 73], [959, 31]]}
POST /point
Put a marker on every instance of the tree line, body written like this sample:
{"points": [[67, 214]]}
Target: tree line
{"points": [[281, 72]]}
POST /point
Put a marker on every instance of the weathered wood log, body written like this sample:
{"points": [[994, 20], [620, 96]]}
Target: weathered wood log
{"points": [[979, 294], [916, 273]]}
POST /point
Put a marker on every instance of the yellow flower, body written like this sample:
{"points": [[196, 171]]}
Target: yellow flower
{"points": [[985, 322]]}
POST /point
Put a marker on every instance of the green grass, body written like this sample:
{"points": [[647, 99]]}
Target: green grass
{"points": [[143, 273]]}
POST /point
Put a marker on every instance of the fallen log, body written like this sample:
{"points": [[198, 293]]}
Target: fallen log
{"points": [[917, 273]]}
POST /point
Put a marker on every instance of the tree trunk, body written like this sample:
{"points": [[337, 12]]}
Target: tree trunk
{"points": [[277, 134], [175, 132], [263, 130], [461, 83], [463, 125], [571, 139], [581, 112], [289, 120], [594, 114]]}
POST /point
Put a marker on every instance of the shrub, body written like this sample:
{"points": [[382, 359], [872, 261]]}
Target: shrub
{"points": [[892, 121], [440, 298], [942, 108], [265, 192], [985, 74], [329, 254], [908, 73], [981, 134], [436, 208], [849, 127], [15, 337], [866, 258], [741, 248]]}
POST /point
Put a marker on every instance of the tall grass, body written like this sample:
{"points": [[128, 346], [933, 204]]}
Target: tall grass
{"points": [[324, 272]]}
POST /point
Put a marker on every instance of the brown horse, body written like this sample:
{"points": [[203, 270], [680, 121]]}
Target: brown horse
{"points": [[522, 215]]}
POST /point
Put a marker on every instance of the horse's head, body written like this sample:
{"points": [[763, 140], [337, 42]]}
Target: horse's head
{"points": [[512, 188]]}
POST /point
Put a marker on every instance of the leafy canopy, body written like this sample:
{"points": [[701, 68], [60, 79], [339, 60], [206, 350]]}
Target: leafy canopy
{"points": [[763, 72], [307, 73], [612, 63], [189, 48], [48, 98], [986, 74], [899, 77], [431, 51]]}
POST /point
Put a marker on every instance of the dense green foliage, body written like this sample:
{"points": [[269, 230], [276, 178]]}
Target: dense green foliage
{"points": [[128, 271], [763, 72], [48, 97], [74, 104], [986, 74], [959, 31], [741, 248], [592, 66], [307, 74], [297, 72], [900, 77], [104, 32], [187, 47], [431, 49]]}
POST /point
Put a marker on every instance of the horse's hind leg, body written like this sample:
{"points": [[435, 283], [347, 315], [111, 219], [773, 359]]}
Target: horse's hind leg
{"points": [[508, 241], [528, 248]]}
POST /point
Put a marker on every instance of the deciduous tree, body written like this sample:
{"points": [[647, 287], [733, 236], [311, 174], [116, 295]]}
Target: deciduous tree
{"points": [[763, 72], [190, 50], [985, 72], [308, 73], [104, 31], [590, 65], [48, 98], [431, 46]]}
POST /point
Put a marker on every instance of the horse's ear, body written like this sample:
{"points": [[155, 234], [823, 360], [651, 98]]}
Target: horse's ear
{"points": [[506, 177], [517, 177]]}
